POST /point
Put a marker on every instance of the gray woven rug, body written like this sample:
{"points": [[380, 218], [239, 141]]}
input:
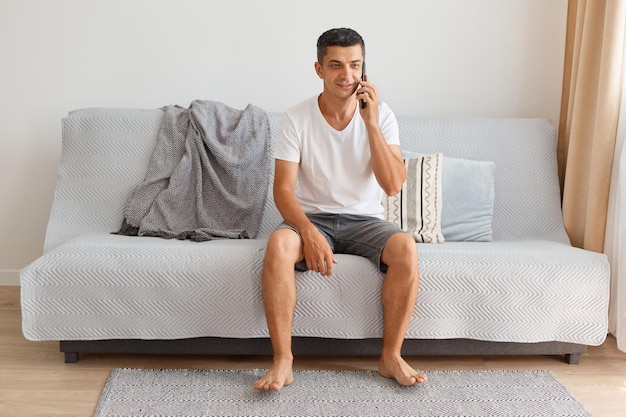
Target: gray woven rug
{"points": [[187, 393]]}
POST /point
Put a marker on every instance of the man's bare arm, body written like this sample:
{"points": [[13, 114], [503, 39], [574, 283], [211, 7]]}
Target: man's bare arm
{"points": [[316, 250], [387, 160], [387, 164]]}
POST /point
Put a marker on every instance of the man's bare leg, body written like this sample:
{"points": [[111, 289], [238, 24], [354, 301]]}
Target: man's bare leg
{"points": [[399, 294], [279, 296]]}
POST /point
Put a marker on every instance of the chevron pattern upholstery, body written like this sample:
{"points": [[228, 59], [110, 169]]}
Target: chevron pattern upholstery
{"points": [[527, 285]]}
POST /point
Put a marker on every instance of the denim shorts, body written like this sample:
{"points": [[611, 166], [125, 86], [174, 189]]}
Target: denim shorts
{"points": [[352, 234]]}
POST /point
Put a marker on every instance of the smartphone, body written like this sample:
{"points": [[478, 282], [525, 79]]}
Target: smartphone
{"points": [[363, 103]]}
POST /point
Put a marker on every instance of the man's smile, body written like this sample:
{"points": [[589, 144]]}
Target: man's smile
{"points": [[348, 86]]}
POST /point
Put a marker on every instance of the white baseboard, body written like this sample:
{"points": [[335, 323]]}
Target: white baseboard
{"points": [[9, 277]]}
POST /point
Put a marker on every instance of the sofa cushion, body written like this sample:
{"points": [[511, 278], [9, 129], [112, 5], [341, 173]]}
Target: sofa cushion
{"points": [[104, 286], [417, 208], [468, 192]]}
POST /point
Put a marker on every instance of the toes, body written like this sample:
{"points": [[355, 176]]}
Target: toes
{"points": [[410, 380], [260, 385], [419, 378], [270, 382], [267, 386], [403, 373]]}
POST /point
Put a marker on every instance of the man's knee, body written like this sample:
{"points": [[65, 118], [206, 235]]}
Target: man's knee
{"points": [[284, 245], [401, 251]]}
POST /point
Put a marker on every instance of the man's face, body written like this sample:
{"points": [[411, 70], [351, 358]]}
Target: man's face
{"points": [[341, 70]]}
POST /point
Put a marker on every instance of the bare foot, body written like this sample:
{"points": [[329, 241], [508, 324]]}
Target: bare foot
{"points": [[278, 376], [397, 368]]}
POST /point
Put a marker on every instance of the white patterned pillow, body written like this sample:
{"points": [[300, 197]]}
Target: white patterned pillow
{"points": [[417, 208]]}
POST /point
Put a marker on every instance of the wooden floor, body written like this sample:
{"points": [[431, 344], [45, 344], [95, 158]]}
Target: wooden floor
{"points": [[34, 380]]}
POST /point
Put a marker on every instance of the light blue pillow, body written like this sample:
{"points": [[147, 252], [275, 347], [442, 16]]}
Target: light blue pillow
{"points": [[467, 198]]}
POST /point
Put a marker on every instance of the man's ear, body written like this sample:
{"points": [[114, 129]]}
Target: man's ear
{"points": [[318, 69]]}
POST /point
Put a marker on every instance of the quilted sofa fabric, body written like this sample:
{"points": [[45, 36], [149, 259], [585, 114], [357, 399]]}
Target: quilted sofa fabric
{"points": [[527, 285]]}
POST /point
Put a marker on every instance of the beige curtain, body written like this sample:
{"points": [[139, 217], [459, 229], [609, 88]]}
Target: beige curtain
{"points": [[590, 106]]}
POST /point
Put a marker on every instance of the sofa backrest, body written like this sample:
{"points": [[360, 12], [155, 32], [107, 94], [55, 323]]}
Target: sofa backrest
{"points": [[527, 201], [105, 153]]}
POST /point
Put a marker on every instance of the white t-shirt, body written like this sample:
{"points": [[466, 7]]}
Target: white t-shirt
{"points": [[335, 174]]}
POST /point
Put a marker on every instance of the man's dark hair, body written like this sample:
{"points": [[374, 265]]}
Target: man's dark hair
{"points": [[338, 37]]}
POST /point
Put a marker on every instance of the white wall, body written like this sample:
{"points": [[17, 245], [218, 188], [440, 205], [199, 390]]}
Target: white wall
{"points": [[494, 58]]}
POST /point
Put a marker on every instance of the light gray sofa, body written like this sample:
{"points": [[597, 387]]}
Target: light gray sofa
{"points": [[515, 286]]}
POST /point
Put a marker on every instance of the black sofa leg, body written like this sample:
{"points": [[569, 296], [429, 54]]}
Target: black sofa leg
{"points": [[572, 358], [71, 357]]}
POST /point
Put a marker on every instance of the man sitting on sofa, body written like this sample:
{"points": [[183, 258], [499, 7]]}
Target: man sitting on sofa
{"points": [[334, 157]]}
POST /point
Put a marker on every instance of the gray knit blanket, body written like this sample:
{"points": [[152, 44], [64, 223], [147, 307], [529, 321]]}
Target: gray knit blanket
{"points": [[208, 175]]}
